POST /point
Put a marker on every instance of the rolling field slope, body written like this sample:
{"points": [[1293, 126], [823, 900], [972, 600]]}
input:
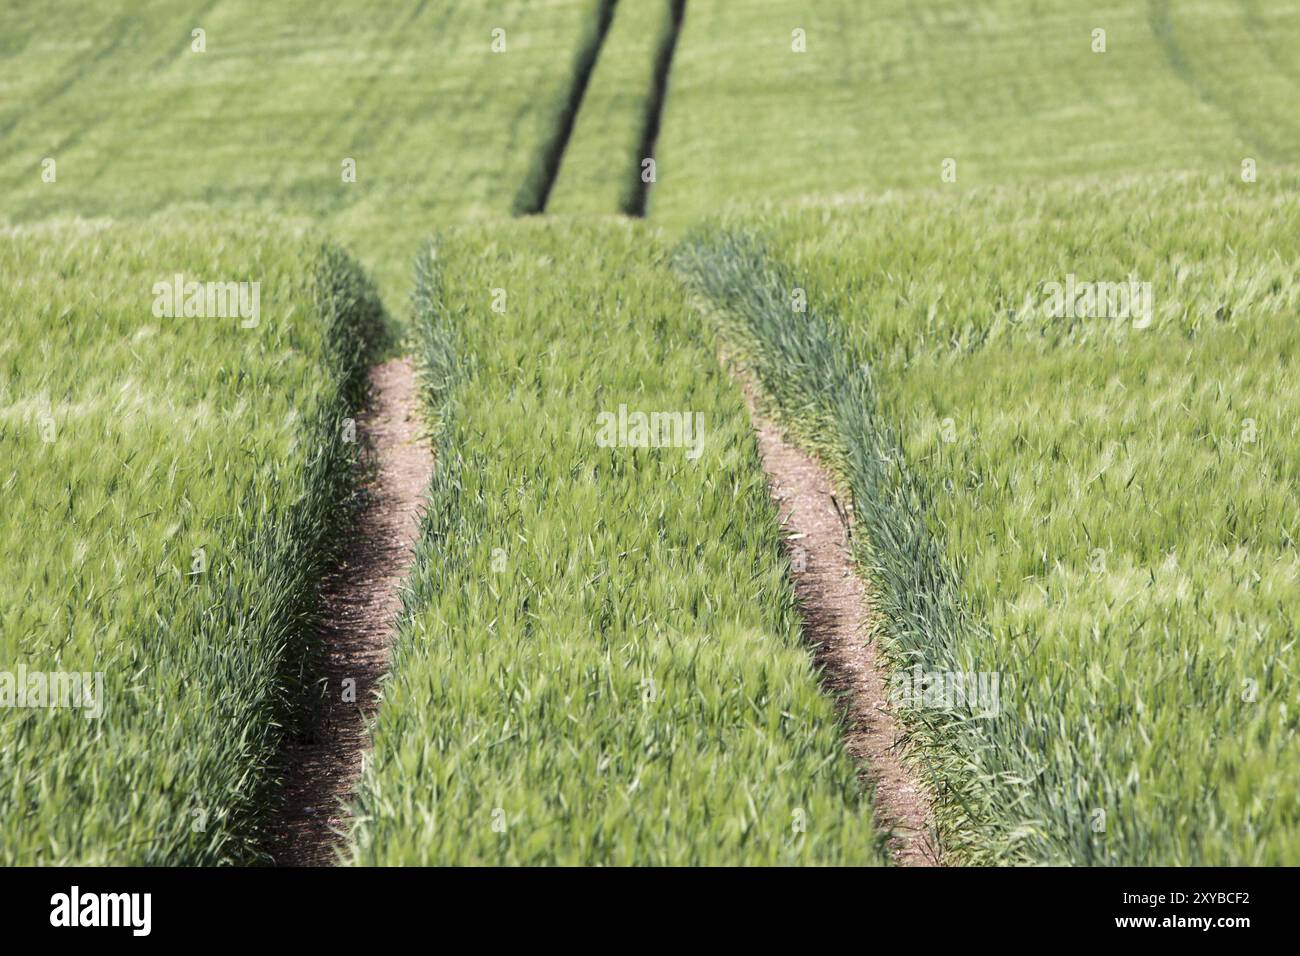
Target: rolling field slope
{"points": [[438, 124], [171, 486], [1011, 90]]}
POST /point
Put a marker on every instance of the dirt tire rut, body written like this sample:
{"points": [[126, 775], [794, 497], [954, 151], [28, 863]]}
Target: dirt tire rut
{"points": [[360, 601], [838, 626]]}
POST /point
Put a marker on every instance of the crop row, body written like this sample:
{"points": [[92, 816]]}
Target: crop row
{"points": [[172, 476]]}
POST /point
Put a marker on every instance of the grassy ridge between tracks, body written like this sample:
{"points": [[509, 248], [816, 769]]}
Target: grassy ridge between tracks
{"points": [[600, 662]]}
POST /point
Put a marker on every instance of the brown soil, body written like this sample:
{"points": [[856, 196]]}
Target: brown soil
{"points": [[839, 625], [360, 601]]}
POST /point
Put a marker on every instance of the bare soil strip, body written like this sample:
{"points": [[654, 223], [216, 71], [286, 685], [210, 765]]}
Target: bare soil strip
{"points": [[360, 602], [838, 625]]}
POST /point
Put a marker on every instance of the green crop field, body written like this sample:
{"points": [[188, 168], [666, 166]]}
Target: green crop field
{"points": [[1115, 499], [605, 665], [171, 485], [1011, 91], [436, 123], [1023, 276]]}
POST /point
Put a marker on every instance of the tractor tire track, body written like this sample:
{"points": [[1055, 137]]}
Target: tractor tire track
{"points": [[536, 189], [636, 200], [838, 625], [360, 599]]}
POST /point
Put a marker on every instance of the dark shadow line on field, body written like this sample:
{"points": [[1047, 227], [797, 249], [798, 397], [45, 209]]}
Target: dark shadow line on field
{"points": [[536, 189], [637, 197]]}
